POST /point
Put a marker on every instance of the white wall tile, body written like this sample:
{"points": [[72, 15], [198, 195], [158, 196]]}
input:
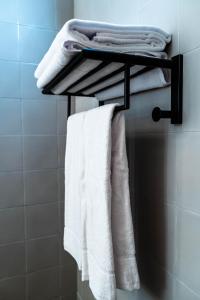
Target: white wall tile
{"points": [[40, 117], [62, 116], [191, 92], [189, 24], [91, 13], [171, 169], [188, 250], [10, 153], [131, 16], [127, 295], [9, 41], [42, 220], [43, 284], [64, 12], [99, 13], [145, 103], [37, 13], [18, 290], [40, 187], [12, 219], [29, 89], [9, 84], [11, 197], [40, 152], [42, 253], [8, 11], [162, 234], [184, 293], [83, 104], [61, 150], [12, 259], [163, 14], [188, 170], [142, 3], [33, 43], [10, 117]]}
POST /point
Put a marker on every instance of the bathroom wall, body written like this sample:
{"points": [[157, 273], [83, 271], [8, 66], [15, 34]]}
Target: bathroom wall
{"points": [[164, 159], [32, 139]]}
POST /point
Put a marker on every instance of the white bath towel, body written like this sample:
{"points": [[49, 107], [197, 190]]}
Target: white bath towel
{"points": [[152, 79], [98, 225], [78, 34], [84, 68], [155, 78]]}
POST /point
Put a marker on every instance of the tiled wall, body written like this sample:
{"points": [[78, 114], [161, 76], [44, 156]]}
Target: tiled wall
{"points": [[164, 159], [33, 265]]}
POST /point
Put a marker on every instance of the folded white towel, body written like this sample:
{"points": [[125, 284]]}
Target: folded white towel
{"points": [[98, 224], [78, 34], [152, 79], [84, 68]]}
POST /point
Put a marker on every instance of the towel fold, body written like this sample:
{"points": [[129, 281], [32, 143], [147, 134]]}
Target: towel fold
{"points": [[98, 224], [78, 34]]}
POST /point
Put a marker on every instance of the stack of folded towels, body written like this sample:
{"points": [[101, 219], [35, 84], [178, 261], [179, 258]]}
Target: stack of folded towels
{"points": [[78, 34]]}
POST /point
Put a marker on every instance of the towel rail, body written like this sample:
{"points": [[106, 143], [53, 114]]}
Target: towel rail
{"points": [[106, 57]]}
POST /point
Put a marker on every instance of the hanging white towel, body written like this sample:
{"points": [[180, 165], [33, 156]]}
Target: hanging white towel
{"points": [[98, 225]]}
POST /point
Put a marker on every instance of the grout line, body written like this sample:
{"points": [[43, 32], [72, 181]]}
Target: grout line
{"points": [[30, 135], [189, 51], [30, 205], [12, 243], [79, 296], [24, 194], [187, 210], [31, 239], [23, 275], [31, 171], [19, 61], [186, 286], [30, 273], [32, 26], [24, 197]]}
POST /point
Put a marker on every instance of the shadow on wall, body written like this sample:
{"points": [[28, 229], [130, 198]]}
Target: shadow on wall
{"points": [[146, 154]]}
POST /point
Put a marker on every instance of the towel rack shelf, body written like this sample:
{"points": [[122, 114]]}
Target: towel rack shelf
{"points": [[175, 64]]}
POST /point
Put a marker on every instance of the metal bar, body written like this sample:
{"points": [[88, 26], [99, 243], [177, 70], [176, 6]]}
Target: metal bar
{"points": [[102, 79], [101, 103], [69, 100], [146, 69], [90, 73], [64, 72], [177, 89], [129, 59], [158, 114], [126, 104], [175, 114], [127, 87]]}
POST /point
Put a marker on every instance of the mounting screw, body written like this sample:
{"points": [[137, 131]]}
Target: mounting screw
{"points": [[156, 114]]}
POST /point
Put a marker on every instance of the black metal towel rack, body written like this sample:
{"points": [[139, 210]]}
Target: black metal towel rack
{"points": [[175, 64]]}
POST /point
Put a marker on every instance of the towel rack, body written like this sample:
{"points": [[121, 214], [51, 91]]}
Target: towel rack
{"points": [[175, 64]]}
